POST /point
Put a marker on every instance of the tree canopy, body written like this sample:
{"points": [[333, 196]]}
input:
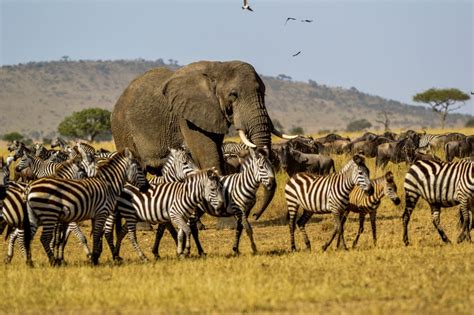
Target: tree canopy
{"points": [[358, 125], [442, 101], [87, 124], [12, 136]]}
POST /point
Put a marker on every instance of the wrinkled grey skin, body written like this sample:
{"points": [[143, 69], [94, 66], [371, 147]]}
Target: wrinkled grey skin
{"points": [[193, 105]]}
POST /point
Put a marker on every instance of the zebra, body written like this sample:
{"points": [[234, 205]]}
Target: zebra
{"points": [[167, 202], [179, 164], [240, 191], [54, 200], [325, 194], [360, 203], [233, 148], [441, 185], [14, 202]]}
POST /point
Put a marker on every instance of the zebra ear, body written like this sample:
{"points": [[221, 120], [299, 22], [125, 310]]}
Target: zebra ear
{"points": [[389, 177], [128, 153], [359, 160]]}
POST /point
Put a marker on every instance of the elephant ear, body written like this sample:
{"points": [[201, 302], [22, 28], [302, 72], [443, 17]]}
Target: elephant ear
{"points": [[193, 97]]}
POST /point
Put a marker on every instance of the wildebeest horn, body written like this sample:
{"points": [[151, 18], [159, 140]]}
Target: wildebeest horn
{"points": [[245, 140], [283, 136]]}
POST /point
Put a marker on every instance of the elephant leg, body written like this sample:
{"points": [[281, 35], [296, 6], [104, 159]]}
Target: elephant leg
{"points": [[205, 146]]}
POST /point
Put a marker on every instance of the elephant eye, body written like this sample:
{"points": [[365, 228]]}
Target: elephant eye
{"points": [[233, 95]]}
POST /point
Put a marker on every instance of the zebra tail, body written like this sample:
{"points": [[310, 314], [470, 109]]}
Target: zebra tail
{"points": [[9, 231]]}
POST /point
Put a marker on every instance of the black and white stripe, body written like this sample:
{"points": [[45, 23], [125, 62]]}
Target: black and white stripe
{"points": [[324, 195], [441, 185], [168, 202], [54, 200], [361, 203], [240, 191]]}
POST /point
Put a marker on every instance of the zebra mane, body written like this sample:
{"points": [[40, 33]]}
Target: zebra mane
{"points": [[349, 165]]}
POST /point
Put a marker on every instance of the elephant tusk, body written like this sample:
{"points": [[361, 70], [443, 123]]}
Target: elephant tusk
{"points": [[283, 136], [245, 140]]}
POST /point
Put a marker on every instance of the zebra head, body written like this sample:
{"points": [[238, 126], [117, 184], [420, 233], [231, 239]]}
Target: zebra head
{"points": [[179, 165], [135, 174], [25, 162], [4, 177], [391, 188], [213, 191], [262, 168], [361, 174]]}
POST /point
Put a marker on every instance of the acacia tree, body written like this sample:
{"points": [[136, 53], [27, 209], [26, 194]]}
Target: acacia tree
{"points": [[385, 121], [442, 101], [87, 124]]}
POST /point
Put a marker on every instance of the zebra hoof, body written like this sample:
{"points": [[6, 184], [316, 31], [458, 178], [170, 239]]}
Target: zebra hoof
{"points": [[118, 259], [157, 257], [324, 248], [7, 259], [29, 263], [202, 254], [144, 259]]}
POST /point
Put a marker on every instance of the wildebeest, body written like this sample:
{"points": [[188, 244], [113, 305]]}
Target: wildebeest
{"points": [[395, 152], [294, 161], [459, 148]]}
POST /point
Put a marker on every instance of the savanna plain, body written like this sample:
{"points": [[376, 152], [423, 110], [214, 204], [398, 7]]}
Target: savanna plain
{"points": [[425, 277]]}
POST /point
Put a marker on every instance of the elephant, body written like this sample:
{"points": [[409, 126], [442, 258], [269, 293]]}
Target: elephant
{"points": [[194, 106]]}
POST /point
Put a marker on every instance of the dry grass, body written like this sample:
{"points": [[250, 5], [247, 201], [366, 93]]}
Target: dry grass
{"points": [[425, 277]]}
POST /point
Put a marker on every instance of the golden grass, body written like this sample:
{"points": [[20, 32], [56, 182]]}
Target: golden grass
{"points": [[425, 277]]}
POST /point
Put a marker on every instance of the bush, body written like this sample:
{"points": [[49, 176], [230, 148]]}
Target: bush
{"points": [[297, 130], [12, 136], [358, 125], [470, 123]]}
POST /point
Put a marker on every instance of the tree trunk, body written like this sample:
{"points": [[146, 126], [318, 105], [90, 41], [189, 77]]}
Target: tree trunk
{"points": [[443, 119]]}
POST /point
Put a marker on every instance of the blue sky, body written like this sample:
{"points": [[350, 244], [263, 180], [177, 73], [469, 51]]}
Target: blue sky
{"points": [[394, 49]]}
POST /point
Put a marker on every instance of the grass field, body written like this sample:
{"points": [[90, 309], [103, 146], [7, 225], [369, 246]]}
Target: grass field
{"points": [[426, 277]]}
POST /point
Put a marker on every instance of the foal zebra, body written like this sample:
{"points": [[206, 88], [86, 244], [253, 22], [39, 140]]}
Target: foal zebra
{"points": [[240, 191], [325, 194], [441, 185], [167, 202], [360, 203], [54, 200]]}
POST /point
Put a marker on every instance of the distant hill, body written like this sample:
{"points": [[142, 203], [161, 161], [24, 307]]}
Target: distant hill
{"points": [[35, 97]]}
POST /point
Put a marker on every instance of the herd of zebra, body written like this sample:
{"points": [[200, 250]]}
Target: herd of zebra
{"points": [[58, 188]]}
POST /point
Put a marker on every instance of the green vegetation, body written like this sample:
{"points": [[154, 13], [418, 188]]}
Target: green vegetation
{"points": [[442, 101], [298, 130], [12, 136], [358, 125], [88, 123]]}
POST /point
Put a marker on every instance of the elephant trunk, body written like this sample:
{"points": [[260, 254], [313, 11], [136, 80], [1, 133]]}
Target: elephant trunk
{"points": [[254, 120], [267, 198]]}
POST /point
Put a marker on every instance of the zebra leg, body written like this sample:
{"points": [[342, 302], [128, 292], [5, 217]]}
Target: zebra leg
{"points": [[361, 228], [249, 231], [238, 232], [435, 215], [466, 222], [373, 223], [292, 210], [160, 230], [46, 238], [410, 203], [301, 225], [340, 236], [132, 229], [120, 236], [193, 224], [337, 223], [98, 232], [184, 232], [11, 245], [74, 227], [109, 232]]}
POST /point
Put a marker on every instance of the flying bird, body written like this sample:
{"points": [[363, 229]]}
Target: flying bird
{"points": [[299, 52], [472, 93], [246, 6], [290, 19], [307, 21]]}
